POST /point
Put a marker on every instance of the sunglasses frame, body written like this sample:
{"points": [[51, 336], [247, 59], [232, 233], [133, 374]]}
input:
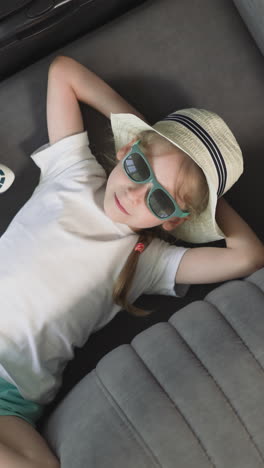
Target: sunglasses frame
{"points": [[155, 184]]}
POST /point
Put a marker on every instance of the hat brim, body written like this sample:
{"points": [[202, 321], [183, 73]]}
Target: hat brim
{"points": [[202, 228], [199, 229]]}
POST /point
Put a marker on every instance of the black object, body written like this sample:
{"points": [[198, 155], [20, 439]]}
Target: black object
{"points": [[29, 30]]}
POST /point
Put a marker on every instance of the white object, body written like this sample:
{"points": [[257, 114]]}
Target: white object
{"points": [[6, 178]]}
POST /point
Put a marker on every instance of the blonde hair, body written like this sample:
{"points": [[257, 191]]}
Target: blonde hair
{"points": [[195, 202]]}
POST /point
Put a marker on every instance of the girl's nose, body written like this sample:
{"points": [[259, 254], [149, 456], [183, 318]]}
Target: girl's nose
{"points": [[137, 192]]}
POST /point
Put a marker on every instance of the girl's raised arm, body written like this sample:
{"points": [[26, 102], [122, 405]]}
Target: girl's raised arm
{"points": [[243, 254], [70, 82]]}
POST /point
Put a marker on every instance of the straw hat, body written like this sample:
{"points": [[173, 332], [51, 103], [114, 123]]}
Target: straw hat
{"points": [[205, 137]]}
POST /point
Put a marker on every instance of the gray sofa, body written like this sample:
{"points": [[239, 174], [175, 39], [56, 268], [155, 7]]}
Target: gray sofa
{"points": [[187, 391]]}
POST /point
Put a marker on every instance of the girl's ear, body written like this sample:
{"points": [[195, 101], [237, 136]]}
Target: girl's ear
{"points": [[125, 149], [173, 223]]}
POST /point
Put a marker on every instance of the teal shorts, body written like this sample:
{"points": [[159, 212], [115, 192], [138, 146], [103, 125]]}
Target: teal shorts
{"points": [[13, 404]]}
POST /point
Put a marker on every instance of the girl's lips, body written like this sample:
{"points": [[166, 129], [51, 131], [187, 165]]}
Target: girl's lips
{"points": [[120, 206]]}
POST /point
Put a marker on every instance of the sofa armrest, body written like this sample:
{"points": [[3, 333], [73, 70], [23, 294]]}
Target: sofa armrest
{"points": [[252, 13]]}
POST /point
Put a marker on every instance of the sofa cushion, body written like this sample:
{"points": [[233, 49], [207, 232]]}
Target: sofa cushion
{"points": [[187, 393], [200, 54]]}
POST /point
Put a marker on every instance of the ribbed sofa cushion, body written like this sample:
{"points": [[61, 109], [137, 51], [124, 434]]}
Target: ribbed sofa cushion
{"points": [[185, 393]]}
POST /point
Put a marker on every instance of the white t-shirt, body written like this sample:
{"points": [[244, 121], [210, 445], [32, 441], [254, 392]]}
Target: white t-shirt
{"points": [[60, 257]]}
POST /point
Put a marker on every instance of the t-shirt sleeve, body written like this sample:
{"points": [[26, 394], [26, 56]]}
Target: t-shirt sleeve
{"points": [[158, 266], [62, 155]]}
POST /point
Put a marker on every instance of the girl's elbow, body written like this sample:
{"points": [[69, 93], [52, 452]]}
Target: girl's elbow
{"points": [[58, 62], [256, 262]]}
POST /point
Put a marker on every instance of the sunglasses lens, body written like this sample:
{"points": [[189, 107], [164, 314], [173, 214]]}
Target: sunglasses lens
{"points": [[161, 204], [136, 168]]}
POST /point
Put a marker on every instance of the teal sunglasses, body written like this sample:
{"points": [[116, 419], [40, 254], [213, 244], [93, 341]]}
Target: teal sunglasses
{"points": [[159, 201]]}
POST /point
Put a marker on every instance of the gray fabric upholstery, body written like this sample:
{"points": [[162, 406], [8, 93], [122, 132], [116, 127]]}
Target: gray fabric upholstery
{"points": [[252, 13], [186, 393]]}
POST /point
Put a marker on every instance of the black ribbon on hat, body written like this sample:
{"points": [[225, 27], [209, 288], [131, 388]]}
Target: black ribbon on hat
{"points": [[209, 143]]}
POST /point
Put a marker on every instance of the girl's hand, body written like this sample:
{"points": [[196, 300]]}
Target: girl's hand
{"points": [[70, 82], [243, 254]]}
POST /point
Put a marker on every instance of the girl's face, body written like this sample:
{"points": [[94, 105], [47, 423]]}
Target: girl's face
{"points": [[125, 201]]}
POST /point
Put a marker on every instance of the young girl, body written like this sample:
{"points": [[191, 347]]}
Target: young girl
{"points": [[83, 247]]}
